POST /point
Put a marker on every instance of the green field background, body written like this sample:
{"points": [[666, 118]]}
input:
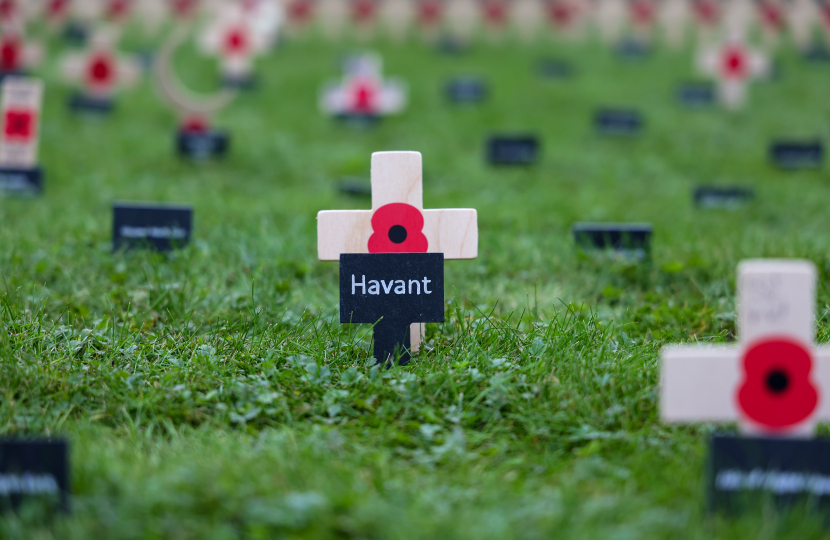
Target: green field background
{"points": [[212, 393]]}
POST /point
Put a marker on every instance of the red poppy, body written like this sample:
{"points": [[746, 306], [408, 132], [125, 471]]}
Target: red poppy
{"points": [[429, 12], [194, 124], [734, 62], [364, 94], [101, 71], [776, 391], [363, 11], [560, 13], [706, 11], [397, 228], [772, 16], [236, 41], [495, 13], [300, 11], [642, 11], [10, 54], [18, 124], [118, 9], [7, 10]]}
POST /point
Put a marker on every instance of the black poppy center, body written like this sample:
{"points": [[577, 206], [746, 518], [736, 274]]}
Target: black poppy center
{"points": [[777, 381], [397, 233]]}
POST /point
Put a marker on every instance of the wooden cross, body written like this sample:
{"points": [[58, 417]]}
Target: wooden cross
{"points": [[733, 64], [398, 221], [232, 37], [462, 19], [19, 120], [57, 11], [775, 380], [16, 55], [707, 15], [674, 17], [802, 16], [364, 17], [772, 19], [396, 17], [642, 14], [494, 15], [299, 15], [100, 69], [738, 17], [332, 15], [119, 11], [363, 91], [610, 16], [527, 17]]}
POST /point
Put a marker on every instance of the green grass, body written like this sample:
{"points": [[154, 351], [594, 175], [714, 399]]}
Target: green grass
{"points": [[212, 393]]}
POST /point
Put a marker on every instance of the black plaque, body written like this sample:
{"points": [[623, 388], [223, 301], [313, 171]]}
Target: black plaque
{"points": [[140, 225], [356, 187], [21, 181], [797, 154], [817, 53], [553, 69], [631, 49], [618, 122], [244, 82], [627, 240], [696, 95], [75, 33], [466, 90], [728, 197], [744, 472], [392, 290], [202, 145], [34, 472], [521, 150], [81, 103]]}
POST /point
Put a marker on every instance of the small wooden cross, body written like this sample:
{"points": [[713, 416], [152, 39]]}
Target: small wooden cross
{"points": [[610, 16], [363, 91], [56, 12], [674, 18], [527, 16], [642, 14], [299, 16], [19, 120], [771, 15], [733, 64], [802, 17], [397, 17], [332, 16], [775, 380], [462, 19], [100, 69], [16, 55], [495, 15], [232, 37], [398, 221]]}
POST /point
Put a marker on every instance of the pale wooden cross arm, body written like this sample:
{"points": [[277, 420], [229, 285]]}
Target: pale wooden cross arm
{"points": [[698, 383]]}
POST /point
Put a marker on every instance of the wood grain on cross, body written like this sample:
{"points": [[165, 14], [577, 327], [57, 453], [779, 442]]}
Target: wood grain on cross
{"points": [[100, 69], [775, 381], [20, 104], [397, 188], [733, 64]]}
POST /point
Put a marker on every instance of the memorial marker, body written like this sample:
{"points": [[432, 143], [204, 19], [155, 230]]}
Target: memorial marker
{"points": [[674, 17], [773, 383], [512, 150], [466, 90], [696, 95], [34, 472], [363, 95], [100, 70], [462, 18], [398, 221], [729, 197], [394, 291], [733, 64], [232, 37], [16, 54], [627, 241], [148, 225], [19, 134], [618, 122], [553, 69], [797, 154], [195, 138]]}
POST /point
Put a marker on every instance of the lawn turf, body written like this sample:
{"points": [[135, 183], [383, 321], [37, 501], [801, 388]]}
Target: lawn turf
{"points": [[212, 393]]}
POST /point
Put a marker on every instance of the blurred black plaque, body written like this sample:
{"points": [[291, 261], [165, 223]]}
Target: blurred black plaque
{"points": [[21, 181], [242, 82], [34, 472], [81, 103], [160, 227], [356, 187], [744, 472], [797, 154], [631, 49], [554, 69], [202, 145], [696, 95], [728, 197], [618, 122], [392, 290], [818, 53], [75, 33], [628, 240], [518, 150], [466, 90]]}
